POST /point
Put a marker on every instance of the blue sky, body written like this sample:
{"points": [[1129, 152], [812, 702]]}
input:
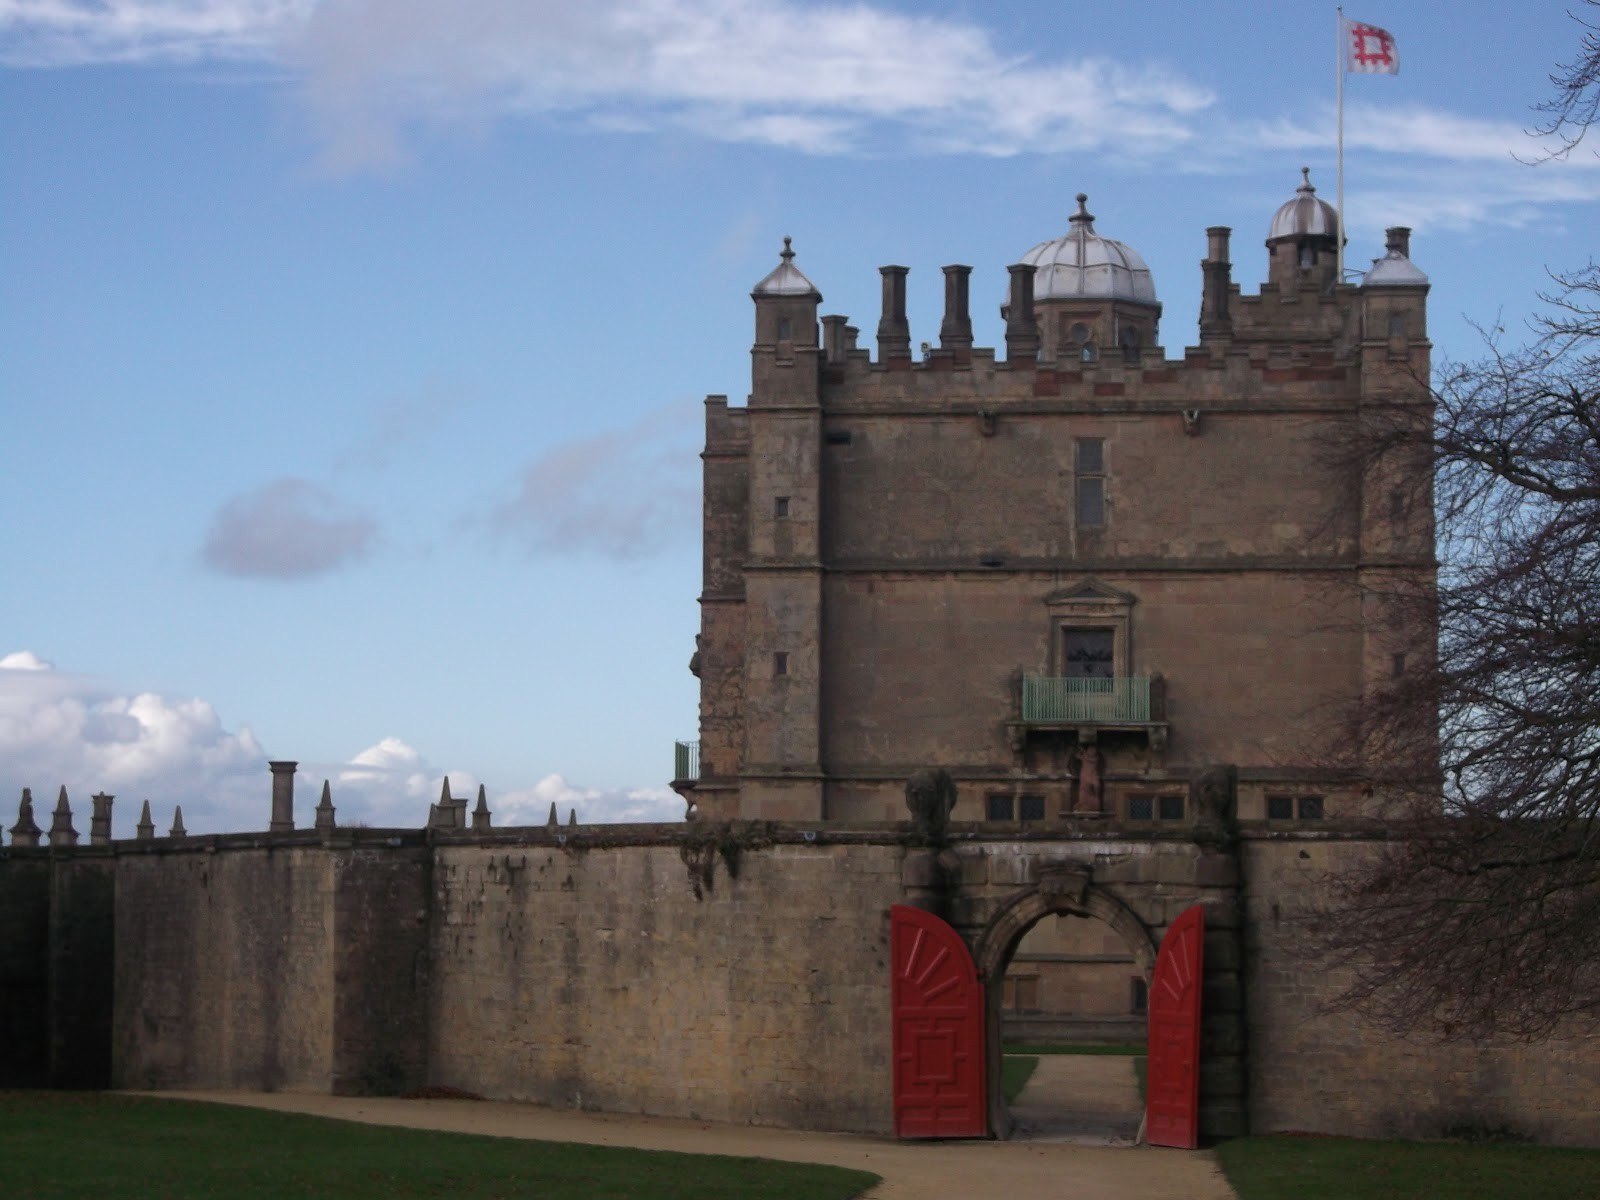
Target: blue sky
{"points": [[353, 350]]}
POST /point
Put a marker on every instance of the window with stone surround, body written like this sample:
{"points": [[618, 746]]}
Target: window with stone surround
{"points": [[1146, 806], [1089, 464], [1289, 808]]}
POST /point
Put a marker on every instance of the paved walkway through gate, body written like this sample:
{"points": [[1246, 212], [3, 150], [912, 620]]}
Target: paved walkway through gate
{"points": [[1089, 1099], [910, 1170]]}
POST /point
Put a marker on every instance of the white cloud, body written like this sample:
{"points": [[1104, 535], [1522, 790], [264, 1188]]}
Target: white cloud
{"points": [[57, 33], [25, 660], [286, 529], [531, 806], [818, 78], [58, 728], [622, 494]]}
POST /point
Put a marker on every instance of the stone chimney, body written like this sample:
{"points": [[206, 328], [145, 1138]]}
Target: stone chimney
{"points": [[894, 332], [61, 831], [1022, 330], [1397, 240], [100, 820], [1216, 283], [955, 331], [282, 797]]}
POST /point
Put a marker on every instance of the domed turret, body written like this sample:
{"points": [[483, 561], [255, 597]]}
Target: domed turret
{"points": [[1303, 239], [1091, 292], [1083, 263]]}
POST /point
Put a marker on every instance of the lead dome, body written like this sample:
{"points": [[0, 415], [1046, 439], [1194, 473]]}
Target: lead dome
{"points": [[1083, 264], [1306, 215]]}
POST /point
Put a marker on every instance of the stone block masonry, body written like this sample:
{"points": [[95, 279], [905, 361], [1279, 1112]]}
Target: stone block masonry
{"points": [[628, 969]]}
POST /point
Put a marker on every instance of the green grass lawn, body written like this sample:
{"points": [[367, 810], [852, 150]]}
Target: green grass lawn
{"points": [[1128, 1048], [1306, 1168], [75, 1144], [1015, 1071]]}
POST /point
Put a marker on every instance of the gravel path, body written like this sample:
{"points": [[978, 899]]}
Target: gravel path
{"points": [[910, 1170]]}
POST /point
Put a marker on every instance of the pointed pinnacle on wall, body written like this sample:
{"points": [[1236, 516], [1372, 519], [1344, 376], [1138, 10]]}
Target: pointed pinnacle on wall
{"points": [[145, 830], [480, 814], [61, 831], [178, 830], [325, 808]]}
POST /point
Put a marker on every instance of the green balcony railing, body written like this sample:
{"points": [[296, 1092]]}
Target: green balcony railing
{"points": [[686, 760], [1121, 701]]}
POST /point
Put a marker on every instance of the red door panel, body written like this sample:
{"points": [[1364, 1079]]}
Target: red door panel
{"points": [[1172, 1092], [938, 1030]]}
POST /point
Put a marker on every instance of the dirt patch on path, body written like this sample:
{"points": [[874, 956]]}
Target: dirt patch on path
{"points": [[910, 1170]]}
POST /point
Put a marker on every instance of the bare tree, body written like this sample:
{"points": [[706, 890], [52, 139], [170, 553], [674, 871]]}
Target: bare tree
{"points": [[1481, 915], [1575, 105]]}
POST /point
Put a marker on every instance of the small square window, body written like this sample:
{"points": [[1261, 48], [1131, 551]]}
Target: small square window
{"points": [[1031, 807], [1172, 808], [1141, 808], [998, 807], [1091, 456], [780, 506], [1397, 324], [1138, 996], [1311, 808], [785, 329], [1280, 808], [780, 663]]}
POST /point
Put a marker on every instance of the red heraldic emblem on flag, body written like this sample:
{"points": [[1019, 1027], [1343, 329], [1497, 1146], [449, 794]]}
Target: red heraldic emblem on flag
{"points": [[1369, 50]]}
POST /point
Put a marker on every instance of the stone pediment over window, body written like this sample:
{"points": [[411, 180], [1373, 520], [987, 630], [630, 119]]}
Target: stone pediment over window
{"points": [[1090, 592]]}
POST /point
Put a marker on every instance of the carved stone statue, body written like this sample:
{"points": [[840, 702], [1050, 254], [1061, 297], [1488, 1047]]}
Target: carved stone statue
{"points": [[931, 796], [1091, 788], [1213, 797]]}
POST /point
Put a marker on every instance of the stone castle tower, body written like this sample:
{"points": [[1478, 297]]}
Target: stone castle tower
{"points": [[1073, 574]]}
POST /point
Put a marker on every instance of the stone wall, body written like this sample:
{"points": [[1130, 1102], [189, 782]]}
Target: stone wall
{"points": [[596, 978], [24, 970], [1328, 1071], [627, 969], [225, 968]]}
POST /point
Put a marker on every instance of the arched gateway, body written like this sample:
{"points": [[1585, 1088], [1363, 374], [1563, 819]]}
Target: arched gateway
{"points": [[1061, 890]]}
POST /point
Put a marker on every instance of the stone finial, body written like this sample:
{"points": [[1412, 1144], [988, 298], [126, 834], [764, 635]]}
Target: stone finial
{"points": [[572, 816], [443, 814], [100, 820], [325, 819], [282, 797], [554, 820], [26, 831], [480, 814], [61, 831], [145, 830], [177, 829]]}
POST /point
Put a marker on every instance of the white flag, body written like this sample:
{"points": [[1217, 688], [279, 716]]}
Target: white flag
{"points": [[1369, 50]]}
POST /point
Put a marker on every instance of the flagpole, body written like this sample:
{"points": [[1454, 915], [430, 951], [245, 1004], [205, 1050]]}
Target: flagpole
{"points": [[1338, 66]]}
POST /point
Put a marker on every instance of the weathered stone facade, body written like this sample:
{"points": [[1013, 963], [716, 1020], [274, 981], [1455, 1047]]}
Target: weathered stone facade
{"points": [[892, 545]]}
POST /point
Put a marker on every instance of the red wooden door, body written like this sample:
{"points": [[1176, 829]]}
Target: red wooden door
{"points": [[938, 1030], [1172, 1091]]}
